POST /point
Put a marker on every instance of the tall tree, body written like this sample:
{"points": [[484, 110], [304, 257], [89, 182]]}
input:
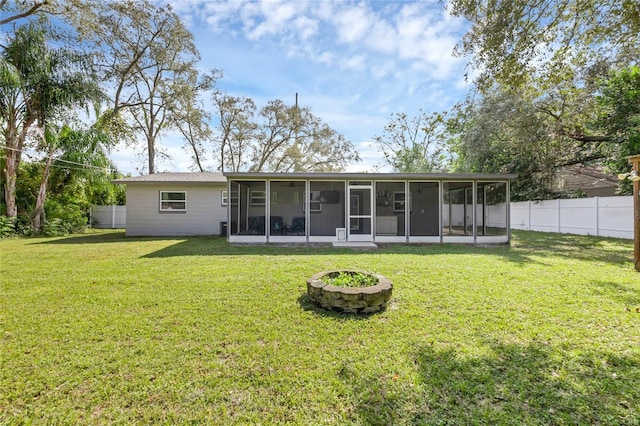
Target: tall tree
{"points": [[192, 118], [237, 130], [84, 149], [149, 58], [620, 119], [415, 144], [278, 138], [549, 54], [514, 43], [15, 11], [315, 147], [38, 83], [502, 132]]}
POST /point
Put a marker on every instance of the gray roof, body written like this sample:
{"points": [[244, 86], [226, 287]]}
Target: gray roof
{"points": [[206, 177], [376, 176], [179, 177]]}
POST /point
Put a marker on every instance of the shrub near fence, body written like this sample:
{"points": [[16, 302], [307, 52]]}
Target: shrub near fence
{"points": [[602, 216], [108, 217]]}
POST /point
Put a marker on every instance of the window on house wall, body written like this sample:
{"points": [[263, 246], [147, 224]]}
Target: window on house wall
{"points": [[172, 201], [258, 198], [224, 197]]}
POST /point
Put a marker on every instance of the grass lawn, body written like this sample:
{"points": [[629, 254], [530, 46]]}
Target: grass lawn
{"points": [[99, 328]]}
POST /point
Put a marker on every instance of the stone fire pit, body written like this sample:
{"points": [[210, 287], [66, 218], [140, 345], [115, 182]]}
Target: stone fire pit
{"points": [[349, 299]]}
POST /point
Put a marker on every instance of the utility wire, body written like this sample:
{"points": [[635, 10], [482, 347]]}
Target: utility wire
{"points": [[107, 169]]}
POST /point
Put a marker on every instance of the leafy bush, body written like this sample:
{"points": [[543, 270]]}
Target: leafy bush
{"points": [[350, 279], [54, 228], [7, 227], [23, 226], [65, 217]]}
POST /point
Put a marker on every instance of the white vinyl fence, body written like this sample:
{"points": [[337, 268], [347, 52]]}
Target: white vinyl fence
{"points": [[108, 217], [602, 216]]}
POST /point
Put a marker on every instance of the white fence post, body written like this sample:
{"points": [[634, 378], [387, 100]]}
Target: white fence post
{"points": [[596, 211]]}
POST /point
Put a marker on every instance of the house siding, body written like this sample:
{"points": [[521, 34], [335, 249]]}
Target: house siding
{"points": [[203, 216]]}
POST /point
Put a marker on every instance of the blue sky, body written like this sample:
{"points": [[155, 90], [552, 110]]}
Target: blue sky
{"points": [[352, 63]]}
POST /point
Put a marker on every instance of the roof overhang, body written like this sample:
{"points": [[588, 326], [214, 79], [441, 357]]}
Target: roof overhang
{"points": [[204, 178], [369, 176]]}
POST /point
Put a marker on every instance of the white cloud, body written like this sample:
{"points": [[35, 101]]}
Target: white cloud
{"points": [[306, 26], [352, 23], [383, 37], [354, 63], [272, 17], [384, 70]]}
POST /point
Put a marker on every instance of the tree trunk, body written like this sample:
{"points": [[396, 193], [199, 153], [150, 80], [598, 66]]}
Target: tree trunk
{"points": [[151, 150], [14, 143], [38, 215], [10, 174]]}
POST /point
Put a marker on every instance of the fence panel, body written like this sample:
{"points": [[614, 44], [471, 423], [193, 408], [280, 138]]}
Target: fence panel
{"points": [[604, 216], [544, 216], [109, 217], [615, 217]]}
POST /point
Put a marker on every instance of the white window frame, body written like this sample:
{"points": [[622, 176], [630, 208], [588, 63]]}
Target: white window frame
{"points": [[315, 204], [258, 198], [173, 201], [399, 205], [224, 197]]}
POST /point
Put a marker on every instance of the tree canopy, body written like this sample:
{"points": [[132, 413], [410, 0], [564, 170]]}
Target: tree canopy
{"points": [[545, 77], [415, 144], [515, 42], [277, 138]]}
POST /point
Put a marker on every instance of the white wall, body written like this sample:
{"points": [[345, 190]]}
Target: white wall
{"points": [[203, 216], [108, 216], [603, 216]]}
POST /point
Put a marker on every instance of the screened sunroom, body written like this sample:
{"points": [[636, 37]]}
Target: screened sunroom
{"points": [[343, 208]]}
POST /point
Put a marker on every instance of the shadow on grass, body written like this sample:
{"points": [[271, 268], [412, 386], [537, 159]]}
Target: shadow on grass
{"points": [[608, 250], [514, 384], [625, 294], [527, 247], [530, 247], [90, 238], [308, 305]]}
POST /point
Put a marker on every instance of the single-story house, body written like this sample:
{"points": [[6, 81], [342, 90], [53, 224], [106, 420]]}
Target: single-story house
{"points": [[338, 208], [175, 204], [592, 181]]}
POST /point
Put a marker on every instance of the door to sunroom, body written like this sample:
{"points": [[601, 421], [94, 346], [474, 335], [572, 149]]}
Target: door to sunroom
{"points": [[360, 211]]}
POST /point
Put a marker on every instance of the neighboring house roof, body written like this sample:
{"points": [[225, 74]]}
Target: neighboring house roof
{"points": [[590, 179], [180, 177]]}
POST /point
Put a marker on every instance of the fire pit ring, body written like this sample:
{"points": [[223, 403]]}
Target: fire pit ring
{"points": [[363, 300]]}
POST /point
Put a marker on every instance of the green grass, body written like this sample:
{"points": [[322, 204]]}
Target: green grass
{"points": [[102, 329]]}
